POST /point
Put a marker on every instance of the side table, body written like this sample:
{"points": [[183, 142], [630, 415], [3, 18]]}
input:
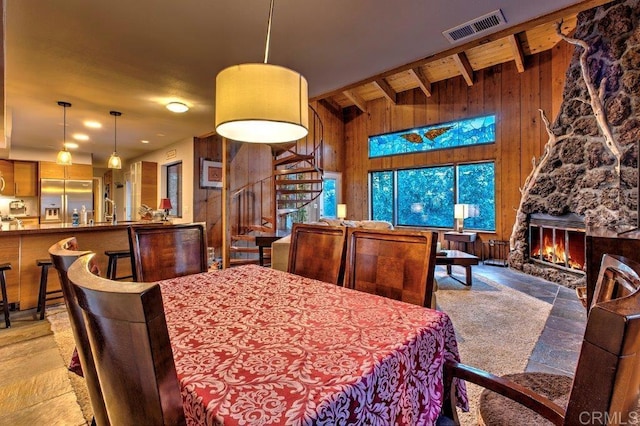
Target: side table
{"points": [[461, 238]]}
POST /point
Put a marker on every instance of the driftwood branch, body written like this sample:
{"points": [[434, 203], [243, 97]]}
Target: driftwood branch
{"points": [[531, 179], [597, 98]]}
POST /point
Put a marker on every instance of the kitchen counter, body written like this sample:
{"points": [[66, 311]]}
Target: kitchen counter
{"points": [[23, 246], [47, 228]]}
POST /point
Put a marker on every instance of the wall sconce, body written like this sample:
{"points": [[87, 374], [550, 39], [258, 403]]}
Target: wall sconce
{"points": [[341, 211], [165, 204], [460, 213]]}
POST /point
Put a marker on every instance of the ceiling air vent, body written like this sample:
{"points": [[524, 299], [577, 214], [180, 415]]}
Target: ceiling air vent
{"points": [[475, 26]]}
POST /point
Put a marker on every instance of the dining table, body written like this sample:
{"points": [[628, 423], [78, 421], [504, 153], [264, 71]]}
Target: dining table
{"points": [[258, 346]]}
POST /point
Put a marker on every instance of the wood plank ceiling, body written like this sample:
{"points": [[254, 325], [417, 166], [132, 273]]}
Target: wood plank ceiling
{"points": [[512, 44]]}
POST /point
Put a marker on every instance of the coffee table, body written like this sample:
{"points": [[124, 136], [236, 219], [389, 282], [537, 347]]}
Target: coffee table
{"points": [[459, 258]]}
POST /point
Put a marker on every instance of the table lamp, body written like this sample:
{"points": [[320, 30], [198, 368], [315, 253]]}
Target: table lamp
{"points": [[165, 204], [341, 211], [460, 213]]}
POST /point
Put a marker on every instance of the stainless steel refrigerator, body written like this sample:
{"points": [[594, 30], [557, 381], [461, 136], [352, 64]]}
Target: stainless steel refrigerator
{"points": [[59, 197]]}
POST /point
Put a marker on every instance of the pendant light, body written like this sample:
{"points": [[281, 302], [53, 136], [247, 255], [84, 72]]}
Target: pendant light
{"points": [[262, 103], [115, 162], [64, 156]]}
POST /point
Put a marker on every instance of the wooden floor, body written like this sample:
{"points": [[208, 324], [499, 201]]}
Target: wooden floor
{"points": [[35, 388], [34, 384]]}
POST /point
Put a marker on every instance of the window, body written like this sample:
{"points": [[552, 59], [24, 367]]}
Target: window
{"points": [[426, 196], [331, 194], [471, 131], [174, 188]]}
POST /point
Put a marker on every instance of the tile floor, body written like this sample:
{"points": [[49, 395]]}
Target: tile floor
{"points": [[34, 387]]}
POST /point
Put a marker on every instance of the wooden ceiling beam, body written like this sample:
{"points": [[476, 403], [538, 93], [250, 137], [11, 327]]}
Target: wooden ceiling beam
{"points": [[464, 66], [386, 89], [356, 99], [423, 82], [551, 17], [332, 106], [518, 54]]}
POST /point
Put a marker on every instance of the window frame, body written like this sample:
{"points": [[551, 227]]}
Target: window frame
{"points": [[176, 199], [455, 190]]}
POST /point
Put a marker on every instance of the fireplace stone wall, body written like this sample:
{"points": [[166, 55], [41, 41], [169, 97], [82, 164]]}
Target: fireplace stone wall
{"points": [[580, 176]]}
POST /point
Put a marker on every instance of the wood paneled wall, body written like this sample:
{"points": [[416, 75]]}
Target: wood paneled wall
{"points": [[515, 98]]}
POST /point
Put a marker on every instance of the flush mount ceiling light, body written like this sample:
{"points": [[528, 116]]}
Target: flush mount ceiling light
{"points": [[261, 103], [115, 162], [64, 156], [177, 107]]}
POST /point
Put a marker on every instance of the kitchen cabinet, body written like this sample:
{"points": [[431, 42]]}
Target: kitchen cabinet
{"points": [[26, 178], [51, 170], [7, 183]]}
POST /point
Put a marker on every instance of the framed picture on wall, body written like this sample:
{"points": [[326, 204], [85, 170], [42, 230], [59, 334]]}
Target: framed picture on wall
{"points": [[210, 174]]}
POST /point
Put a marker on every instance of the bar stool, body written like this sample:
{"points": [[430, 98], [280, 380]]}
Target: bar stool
{"points": [[112, 266], [44, 296], [5, 299]]}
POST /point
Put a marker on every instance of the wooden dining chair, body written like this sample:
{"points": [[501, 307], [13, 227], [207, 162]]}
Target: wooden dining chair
{"points": [[318, 252], [606, 385], [130, 345], [63, 254], [397, 264], [162, 252], [618, 277]]}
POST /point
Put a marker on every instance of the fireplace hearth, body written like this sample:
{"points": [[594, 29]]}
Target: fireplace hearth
{"points": [[558, 241]]}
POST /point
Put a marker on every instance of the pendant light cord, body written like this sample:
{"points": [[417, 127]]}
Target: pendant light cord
{"points": [[115, 133], [64, 127], [266, 48]]}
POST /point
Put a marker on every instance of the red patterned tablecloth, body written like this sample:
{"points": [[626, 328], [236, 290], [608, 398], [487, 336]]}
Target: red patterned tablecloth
{"points": [[257, 346]]}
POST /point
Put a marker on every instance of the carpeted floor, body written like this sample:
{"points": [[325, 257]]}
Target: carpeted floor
{"points": [[496, 327]]}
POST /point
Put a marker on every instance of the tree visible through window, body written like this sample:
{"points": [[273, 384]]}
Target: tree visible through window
{"points": [[174, 188], [426, 196]]}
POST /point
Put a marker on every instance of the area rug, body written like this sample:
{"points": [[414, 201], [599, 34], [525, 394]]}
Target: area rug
{"points": [[496, 327], [59, 320]]}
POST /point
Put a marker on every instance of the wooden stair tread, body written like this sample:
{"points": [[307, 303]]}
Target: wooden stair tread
{"points": [[294, 171], [287, 182], [298, 191], [290, 159]]}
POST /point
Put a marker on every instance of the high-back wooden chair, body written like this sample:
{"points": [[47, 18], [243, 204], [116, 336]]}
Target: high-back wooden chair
{"points": [[397, 264], [618, 277], [63, 254], [130, 345], [604, 390], [318, 252], [163, 252]]}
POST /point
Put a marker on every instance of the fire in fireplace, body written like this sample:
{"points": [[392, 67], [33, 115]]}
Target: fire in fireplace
{"points": [[558, 241]]}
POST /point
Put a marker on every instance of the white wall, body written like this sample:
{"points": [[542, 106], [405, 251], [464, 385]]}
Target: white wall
{"points": [[178, 152]]}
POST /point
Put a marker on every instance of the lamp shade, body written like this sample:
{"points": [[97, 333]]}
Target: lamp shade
{"points": [[165, 204], [115, 162], [461, 211], [261, 103], [341, 211], [63, 158]]}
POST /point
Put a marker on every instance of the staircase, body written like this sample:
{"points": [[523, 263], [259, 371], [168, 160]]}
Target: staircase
{"points": [[297, 172], [296, 181]]}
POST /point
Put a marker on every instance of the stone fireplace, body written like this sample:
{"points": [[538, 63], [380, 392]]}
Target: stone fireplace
{"points": [[590, 166]]}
